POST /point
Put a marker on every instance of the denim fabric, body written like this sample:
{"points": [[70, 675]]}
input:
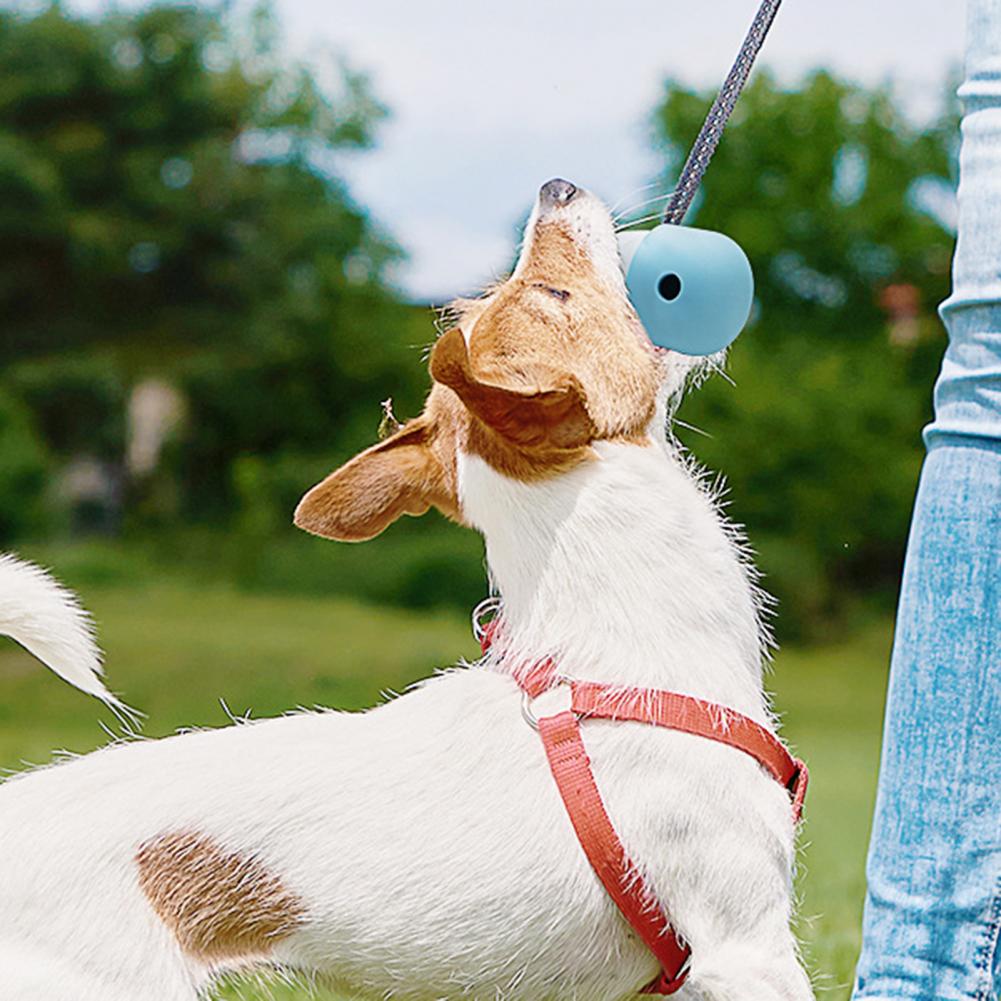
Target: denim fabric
{"points": [[933, 908]]}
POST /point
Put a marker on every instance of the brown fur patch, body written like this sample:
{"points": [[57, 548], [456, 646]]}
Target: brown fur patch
{"points": [[593, 337], [524, 432], [219, 904], [548, 374], [525, 464]]}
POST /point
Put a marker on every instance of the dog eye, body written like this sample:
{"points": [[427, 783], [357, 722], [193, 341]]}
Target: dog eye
{"points": [[558, 293]]}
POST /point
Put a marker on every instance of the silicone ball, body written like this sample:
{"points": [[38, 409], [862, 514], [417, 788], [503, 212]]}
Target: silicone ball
{"points": [[692, 288]]}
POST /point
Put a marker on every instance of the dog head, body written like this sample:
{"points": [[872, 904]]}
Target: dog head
{"points": [[535, 372]]}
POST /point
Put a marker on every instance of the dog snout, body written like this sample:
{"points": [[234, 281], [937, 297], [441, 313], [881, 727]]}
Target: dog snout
{"points": [[556, 192]]}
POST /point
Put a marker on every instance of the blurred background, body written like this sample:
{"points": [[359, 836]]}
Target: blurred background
{"points": [[223, 232]]}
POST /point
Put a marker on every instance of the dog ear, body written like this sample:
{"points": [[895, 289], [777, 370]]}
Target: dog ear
{"points": [[551, 414], [400, 475]]}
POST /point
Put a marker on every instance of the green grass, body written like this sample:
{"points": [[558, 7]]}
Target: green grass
{"points": [[176, 650]]}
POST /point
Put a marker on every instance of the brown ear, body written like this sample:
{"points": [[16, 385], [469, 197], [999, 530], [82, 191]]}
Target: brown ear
{"points": [[400, 475], [551, 415]]}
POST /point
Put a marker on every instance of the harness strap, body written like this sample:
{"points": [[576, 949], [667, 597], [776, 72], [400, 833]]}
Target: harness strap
{"points": [[574, 777], [571, 769], [688, 714]]}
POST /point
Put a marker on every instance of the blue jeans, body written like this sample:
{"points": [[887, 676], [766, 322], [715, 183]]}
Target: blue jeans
{"points": [[933, 907]]}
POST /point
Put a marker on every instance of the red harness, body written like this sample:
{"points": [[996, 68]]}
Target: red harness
{"points": [[571, 768]]}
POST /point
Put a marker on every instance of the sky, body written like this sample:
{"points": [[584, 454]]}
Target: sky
{"points": [[489, 100]]}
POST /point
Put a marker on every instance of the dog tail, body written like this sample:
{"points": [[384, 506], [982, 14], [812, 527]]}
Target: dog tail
{"points": [[49, 622]]}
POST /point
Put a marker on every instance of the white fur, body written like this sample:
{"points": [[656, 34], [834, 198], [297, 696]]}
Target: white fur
{"points": [[47, 620], [426, 837]]}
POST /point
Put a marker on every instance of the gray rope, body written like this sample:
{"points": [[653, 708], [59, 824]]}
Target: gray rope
{"points": [[712, 128]]}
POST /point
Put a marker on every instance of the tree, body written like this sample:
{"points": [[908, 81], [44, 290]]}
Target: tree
{"points": [[827, 187], [169, 202]]}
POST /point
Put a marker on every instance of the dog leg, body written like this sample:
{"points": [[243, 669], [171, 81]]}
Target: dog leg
{"points": [[747, 971]]}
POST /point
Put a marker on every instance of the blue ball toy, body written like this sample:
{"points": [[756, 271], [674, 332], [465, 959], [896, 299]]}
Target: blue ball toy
{"points": [[692, 288]]}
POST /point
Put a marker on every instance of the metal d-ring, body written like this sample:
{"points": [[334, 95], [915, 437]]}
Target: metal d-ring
{"points": [[526, 711], [488, 606], [526, 700]]}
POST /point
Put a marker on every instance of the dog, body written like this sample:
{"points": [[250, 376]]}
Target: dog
{"points": [[420, 850]]}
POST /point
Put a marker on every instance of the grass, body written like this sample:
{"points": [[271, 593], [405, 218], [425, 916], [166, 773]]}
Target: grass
{"points": [[176, 650]]}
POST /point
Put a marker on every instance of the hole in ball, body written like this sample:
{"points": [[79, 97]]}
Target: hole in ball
{"points": [[669, 287]]}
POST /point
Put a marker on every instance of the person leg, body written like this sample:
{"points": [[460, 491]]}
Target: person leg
{"points": [[933, 905]]}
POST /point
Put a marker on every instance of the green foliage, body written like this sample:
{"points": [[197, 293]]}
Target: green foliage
{"points": [[161, 183], [169, 199], [428, 564], [822, 186], [78, 401], [24, 469], [416, 563]]}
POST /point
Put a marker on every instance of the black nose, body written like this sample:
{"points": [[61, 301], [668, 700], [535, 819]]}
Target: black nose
{"points": [[556, 192]]}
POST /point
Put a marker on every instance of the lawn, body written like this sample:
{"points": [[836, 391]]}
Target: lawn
{"points": [[180, 652]]}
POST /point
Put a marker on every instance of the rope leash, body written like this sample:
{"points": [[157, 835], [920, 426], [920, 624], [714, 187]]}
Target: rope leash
{"points": [[712, 128]]}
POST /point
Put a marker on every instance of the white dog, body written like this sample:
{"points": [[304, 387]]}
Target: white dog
{"points": [[420, 850]]}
